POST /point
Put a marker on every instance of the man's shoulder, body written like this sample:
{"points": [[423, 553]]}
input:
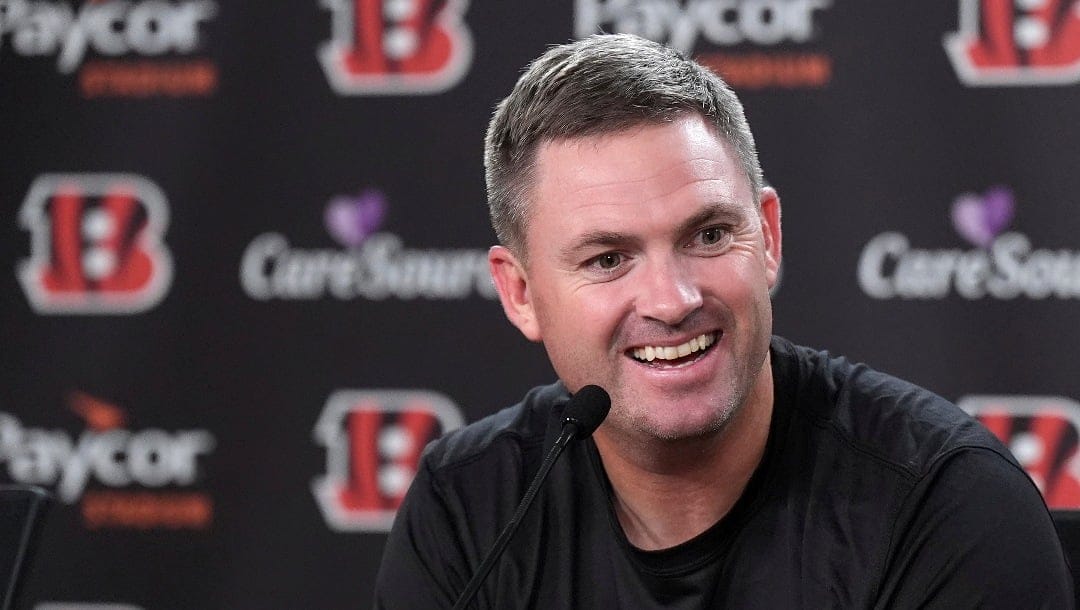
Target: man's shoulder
{"points": [[512, 430], [877, 414]]}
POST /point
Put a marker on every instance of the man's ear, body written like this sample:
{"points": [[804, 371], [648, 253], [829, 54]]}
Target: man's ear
{"points": [[770, 229], [512, 282]]}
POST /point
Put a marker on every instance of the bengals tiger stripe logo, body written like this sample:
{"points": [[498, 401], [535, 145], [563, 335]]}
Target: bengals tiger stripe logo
{"points": [[1016, 43], [396, 47], [373, 441], [1043, 433], [96, 244]]}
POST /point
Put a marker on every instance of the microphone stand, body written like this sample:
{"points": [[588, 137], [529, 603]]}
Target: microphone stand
{"points": [[569, 431]]}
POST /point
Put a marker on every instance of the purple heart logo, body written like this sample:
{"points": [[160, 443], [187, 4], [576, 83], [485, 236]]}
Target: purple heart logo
{"points": [[350, 220], [979, 219]]}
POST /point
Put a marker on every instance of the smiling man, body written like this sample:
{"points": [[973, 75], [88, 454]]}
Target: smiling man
{"points": [[735, 469]]}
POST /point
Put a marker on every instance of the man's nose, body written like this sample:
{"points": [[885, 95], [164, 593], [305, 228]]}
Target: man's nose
{"points": [[669, 293]]}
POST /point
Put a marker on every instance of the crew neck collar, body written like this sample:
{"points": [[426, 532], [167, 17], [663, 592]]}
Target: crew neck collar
{"points": [[717, 539]]}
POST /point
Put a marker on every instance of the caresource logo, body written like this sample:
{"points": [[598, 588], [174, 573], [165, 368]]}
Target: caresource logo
{"points": [[96, 244], [709, 29], [373, 441], [396, 47], [1042, 432], [1002, 265], [1016, 42], [370, 264], [121, 477], [161, 32]]}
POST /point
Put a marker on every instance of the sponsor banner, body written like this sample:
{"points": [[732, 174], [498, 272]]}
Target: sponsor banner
{"points": [[396, 47], [1002, 264], [1042, 432], [1016, 43], [373, 441], [752, 44], [117, 48], [371, 264], [96, 244], [83, 606], [119, 476]]}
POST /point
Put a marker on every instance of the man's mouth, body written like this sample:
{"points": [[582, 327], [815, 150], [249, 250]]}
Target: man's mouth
{"points": [[672, 355]]}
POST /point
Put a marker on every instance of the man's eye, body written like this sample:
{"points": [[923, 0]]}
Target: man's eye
{"points": [[608, 261], [712, 235]]}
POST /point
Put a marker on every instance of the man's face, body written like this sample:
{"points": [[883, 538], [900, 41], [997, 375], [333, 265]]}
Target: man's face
{"points": [[648, 273]]}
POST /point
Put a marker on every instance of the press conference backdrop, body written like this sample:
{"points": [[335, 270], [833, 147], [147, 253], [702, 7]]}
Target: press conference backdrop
{"points": [[242, 252]]}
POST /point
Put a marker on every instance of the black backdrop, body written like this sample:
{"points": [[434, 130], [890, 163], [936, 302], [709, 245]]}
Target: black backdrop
{"points": [[241, 252]]}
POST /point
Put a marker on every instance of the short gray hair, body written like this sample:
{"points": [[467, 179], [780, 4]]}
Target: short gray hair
{"points": [[599, 85]]}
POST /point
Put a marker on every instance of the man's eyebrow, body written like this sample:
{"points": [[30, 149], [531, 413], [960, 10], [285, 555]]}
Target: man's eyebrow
{"points": [[711, 212], [596, 239]]}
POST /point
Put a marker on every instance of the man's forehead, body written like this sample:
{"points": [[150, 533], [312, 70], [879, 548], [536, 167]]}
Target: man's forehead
{"points": [[641, 144], [574, 175]]}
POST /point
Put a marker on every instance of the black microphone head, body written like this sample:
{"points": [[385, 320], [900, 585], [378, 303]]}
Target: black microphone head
{"points": [[587, 408]]}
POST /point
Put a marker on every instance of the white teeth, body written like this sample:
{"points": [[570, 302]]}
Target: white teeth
{"points": [[650, 352]]}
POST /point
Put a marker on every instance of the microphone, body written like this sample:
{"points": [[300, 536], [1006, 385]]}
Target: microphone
{"points": [[587, 408]]}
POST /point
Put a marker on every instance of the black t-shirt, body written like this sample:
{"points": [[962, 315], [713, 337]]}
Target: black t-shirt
{"points": [[872, 493]]}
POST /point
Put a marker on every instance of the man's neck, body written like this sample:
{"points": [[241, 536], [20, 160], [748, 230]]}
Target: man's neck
{"points": [[667, 492]]}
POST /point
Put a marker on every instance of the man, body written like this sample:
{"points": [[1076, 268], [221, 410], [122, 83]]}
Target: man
{"points": [[735, 469]]}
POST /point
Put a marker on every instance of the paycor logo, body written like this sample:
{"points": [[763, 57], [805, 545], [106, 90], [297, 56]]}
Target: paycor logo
{"points": [[115, 29], [372, 264], [1003, 265], [121, 477], [706, 29]]}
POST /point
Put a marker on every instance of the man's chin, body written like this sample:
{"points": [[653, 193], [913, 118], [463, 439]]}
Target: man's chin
{"points": [[688, 426]]}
